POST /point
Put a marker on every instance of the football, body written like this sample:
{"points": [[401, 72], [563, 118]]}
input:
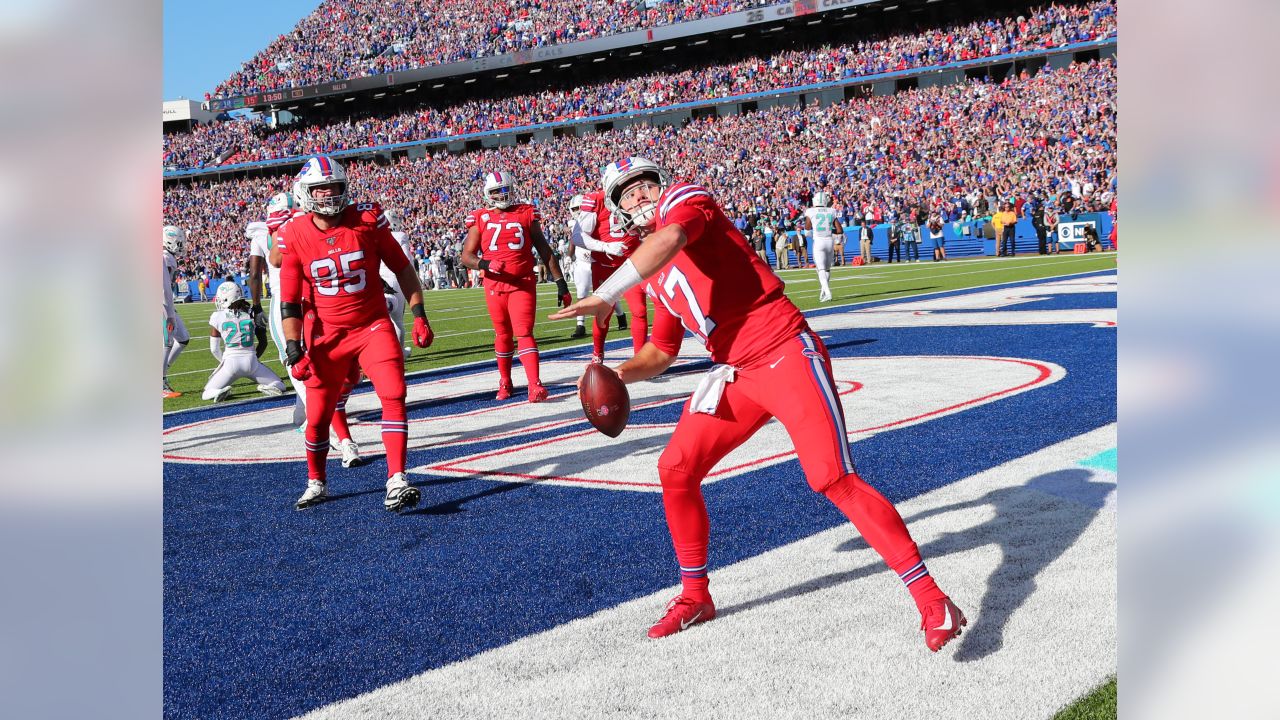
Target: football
{"points": [[605, 399]]}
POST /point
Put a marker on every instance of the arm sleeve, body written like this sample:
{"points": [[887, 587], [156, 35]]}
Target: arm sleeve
{"points": [[666, 332], [588, 222], [290, 276], [215, 347], [389, 250], [581, 238], [167, 279]]}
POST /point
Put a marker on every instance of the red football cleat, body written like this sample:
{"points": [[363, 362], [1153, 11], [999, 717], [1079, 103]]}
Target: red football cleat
{"points": [[504, 392], [940, 622], [537, 393], [682, 612]]}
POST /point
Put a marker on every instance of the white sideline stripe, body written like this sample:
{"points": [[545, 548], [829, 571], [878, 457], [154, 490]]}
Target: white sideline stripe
{"points": [[824, 308], [811, 645]]}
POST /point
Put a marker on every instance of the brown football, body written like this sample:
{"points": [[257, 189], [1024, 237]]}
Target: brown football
{"points": [[605, 399]]}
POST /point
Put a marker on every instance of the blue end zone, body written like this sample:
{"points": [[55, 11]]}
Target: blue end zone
{"points": [[271, 612]]}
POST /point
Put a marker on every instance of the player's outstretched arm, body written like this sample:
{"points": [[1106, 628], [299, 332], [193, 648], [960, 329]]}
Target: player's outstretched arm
{"points": [[215, 344], [654, 253]]}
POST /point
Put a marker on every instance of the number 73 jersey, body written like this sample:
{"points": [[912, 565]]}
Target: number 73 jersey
{"points": [[716, 286], [507, 236], [340, 265]]}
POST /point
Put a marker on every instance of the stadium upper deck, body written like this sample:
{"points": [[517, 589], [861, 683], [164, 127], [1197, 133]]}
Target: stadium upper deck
{"points": [[798, 60]]}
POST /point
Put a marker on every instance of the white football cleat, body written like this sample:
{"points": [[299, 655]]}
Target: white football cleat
{"points": [[223, 394], [316, 492], [824, 297], [350, 454], [271, 390], [400, 494]]}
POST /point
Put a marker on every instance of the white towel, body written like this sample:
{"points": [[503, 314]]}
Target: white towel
{"points": [[706, 397]]}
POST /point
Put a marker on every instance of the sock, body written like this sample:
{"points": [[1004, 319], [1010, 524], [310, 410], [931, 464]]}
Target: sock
{"points": [[317, 443], [174, 351], [690, 529], [503, 351], [639, 330], [598, 336], [528, 354], [339, 421], [882, 527], [582, 321], [395, 433]]}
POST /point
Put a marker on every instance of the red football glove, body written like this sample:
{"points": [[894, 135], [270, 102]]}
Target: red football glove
{"points": [[422, 334], [301, 370], [562, 291]]}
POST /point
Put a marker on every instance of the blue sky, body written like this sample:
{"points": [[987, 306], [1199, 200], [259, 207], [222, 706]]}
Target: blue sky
{"points": [[206, 40]]}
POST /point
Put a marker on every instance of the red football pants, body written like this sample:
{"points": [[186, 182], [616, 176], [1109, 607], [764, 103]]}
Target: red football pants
{"points": [[794, 384], [512, 315], [637, 306], [376, 349]]}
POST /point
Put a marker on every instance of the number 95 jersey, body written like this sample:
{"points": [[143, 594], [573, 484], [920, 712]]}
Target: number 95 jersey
{"points": [[340, 265], [507, 235]]}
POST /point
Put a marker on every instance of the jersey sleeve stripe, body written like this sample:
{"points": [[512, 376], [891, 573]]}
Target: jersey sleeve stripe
{"points": [[679, 196]]}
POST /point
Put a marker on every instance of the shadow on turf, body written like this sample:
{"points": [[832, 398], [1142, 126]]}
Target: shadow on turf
{"points": [[1032, 526]]}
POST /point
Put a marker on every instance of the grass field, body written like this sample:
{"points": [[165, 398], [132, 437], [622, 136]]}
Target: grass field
{"points": [[464, 334], [1097, 705]]}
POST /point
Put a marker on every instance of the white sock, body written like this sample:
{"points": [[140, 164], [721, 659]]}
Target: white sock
{"points": [[824, 277], [174, 351]]}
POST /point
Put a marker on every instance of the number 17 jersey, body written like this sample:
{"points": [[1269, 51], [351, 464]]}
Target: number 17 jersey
{"points": [[507, 236], [340, 265]]}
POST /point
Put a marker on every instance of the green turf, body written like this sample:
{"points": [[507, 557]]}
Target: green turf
{"points": [[464, 334], [1097, 705]]}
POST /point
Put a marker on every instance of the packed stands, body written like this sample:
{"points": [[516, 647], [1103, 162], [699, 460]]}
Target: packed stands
{"points": [[354, 38], [951, 149], [1045, 27]]}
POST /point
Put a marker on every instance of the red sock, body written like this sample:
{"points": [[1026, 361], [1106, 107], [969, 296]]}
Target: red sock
{"points": [[503, 350], [395, 434], [879, 522], [639, 330], [690, 529], [339, 421], [528, 354], [598, 336]]}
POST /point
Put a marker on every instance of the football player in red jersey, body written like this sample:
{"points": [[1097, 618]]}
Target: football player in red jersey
{"points": [[335, 250], [506, 232], [768, 364], [610, 246]]}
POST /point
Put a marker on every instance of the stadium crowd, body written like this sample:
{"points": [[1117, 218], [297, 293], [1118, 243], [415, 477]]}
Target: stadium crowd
{"points": [[235, 141], [955, 152], [346, 39]]}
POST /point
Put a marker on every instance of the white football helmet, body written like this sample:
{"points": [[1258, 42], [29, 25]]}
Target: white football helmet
{"points": [[174, 239], [320, 170], [499, 189], [576, 203], [617, 175], [228, 294], [280, 208], [821, 199]]}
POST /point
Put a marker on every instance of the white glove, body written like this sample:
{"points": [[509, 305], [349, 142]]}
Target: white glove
{"points": [[617, 249]]}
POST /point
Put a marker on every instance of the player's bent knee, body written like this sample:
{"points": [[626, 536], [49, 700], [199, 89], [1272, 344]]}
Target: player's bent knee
{"points": [[841, 486], [677, 480]]}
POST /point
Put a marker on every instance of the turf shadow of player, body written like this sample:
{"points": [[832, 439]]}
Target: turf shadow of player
{"points": [[1033, 524]]}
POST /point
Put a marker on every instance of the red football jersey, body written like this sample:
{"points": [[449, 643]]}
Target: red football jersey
{"points": [[507, 235], [339, 266], [716, 286], [604, 232]]}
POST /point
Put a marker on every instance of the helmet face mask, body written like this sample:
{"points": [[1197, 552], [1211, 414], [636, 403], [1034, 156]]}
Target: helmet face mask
{"points": [[173, 239], [229, 296], [321, 172], [620, 176], [498, 189]]}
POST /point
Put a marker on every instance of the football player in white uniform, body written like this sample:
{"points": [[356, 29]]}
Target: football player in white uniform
{"points": [[821, 219], [173, 243], [232, 324], [280, 209], [396, 300], [581, 227]]}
